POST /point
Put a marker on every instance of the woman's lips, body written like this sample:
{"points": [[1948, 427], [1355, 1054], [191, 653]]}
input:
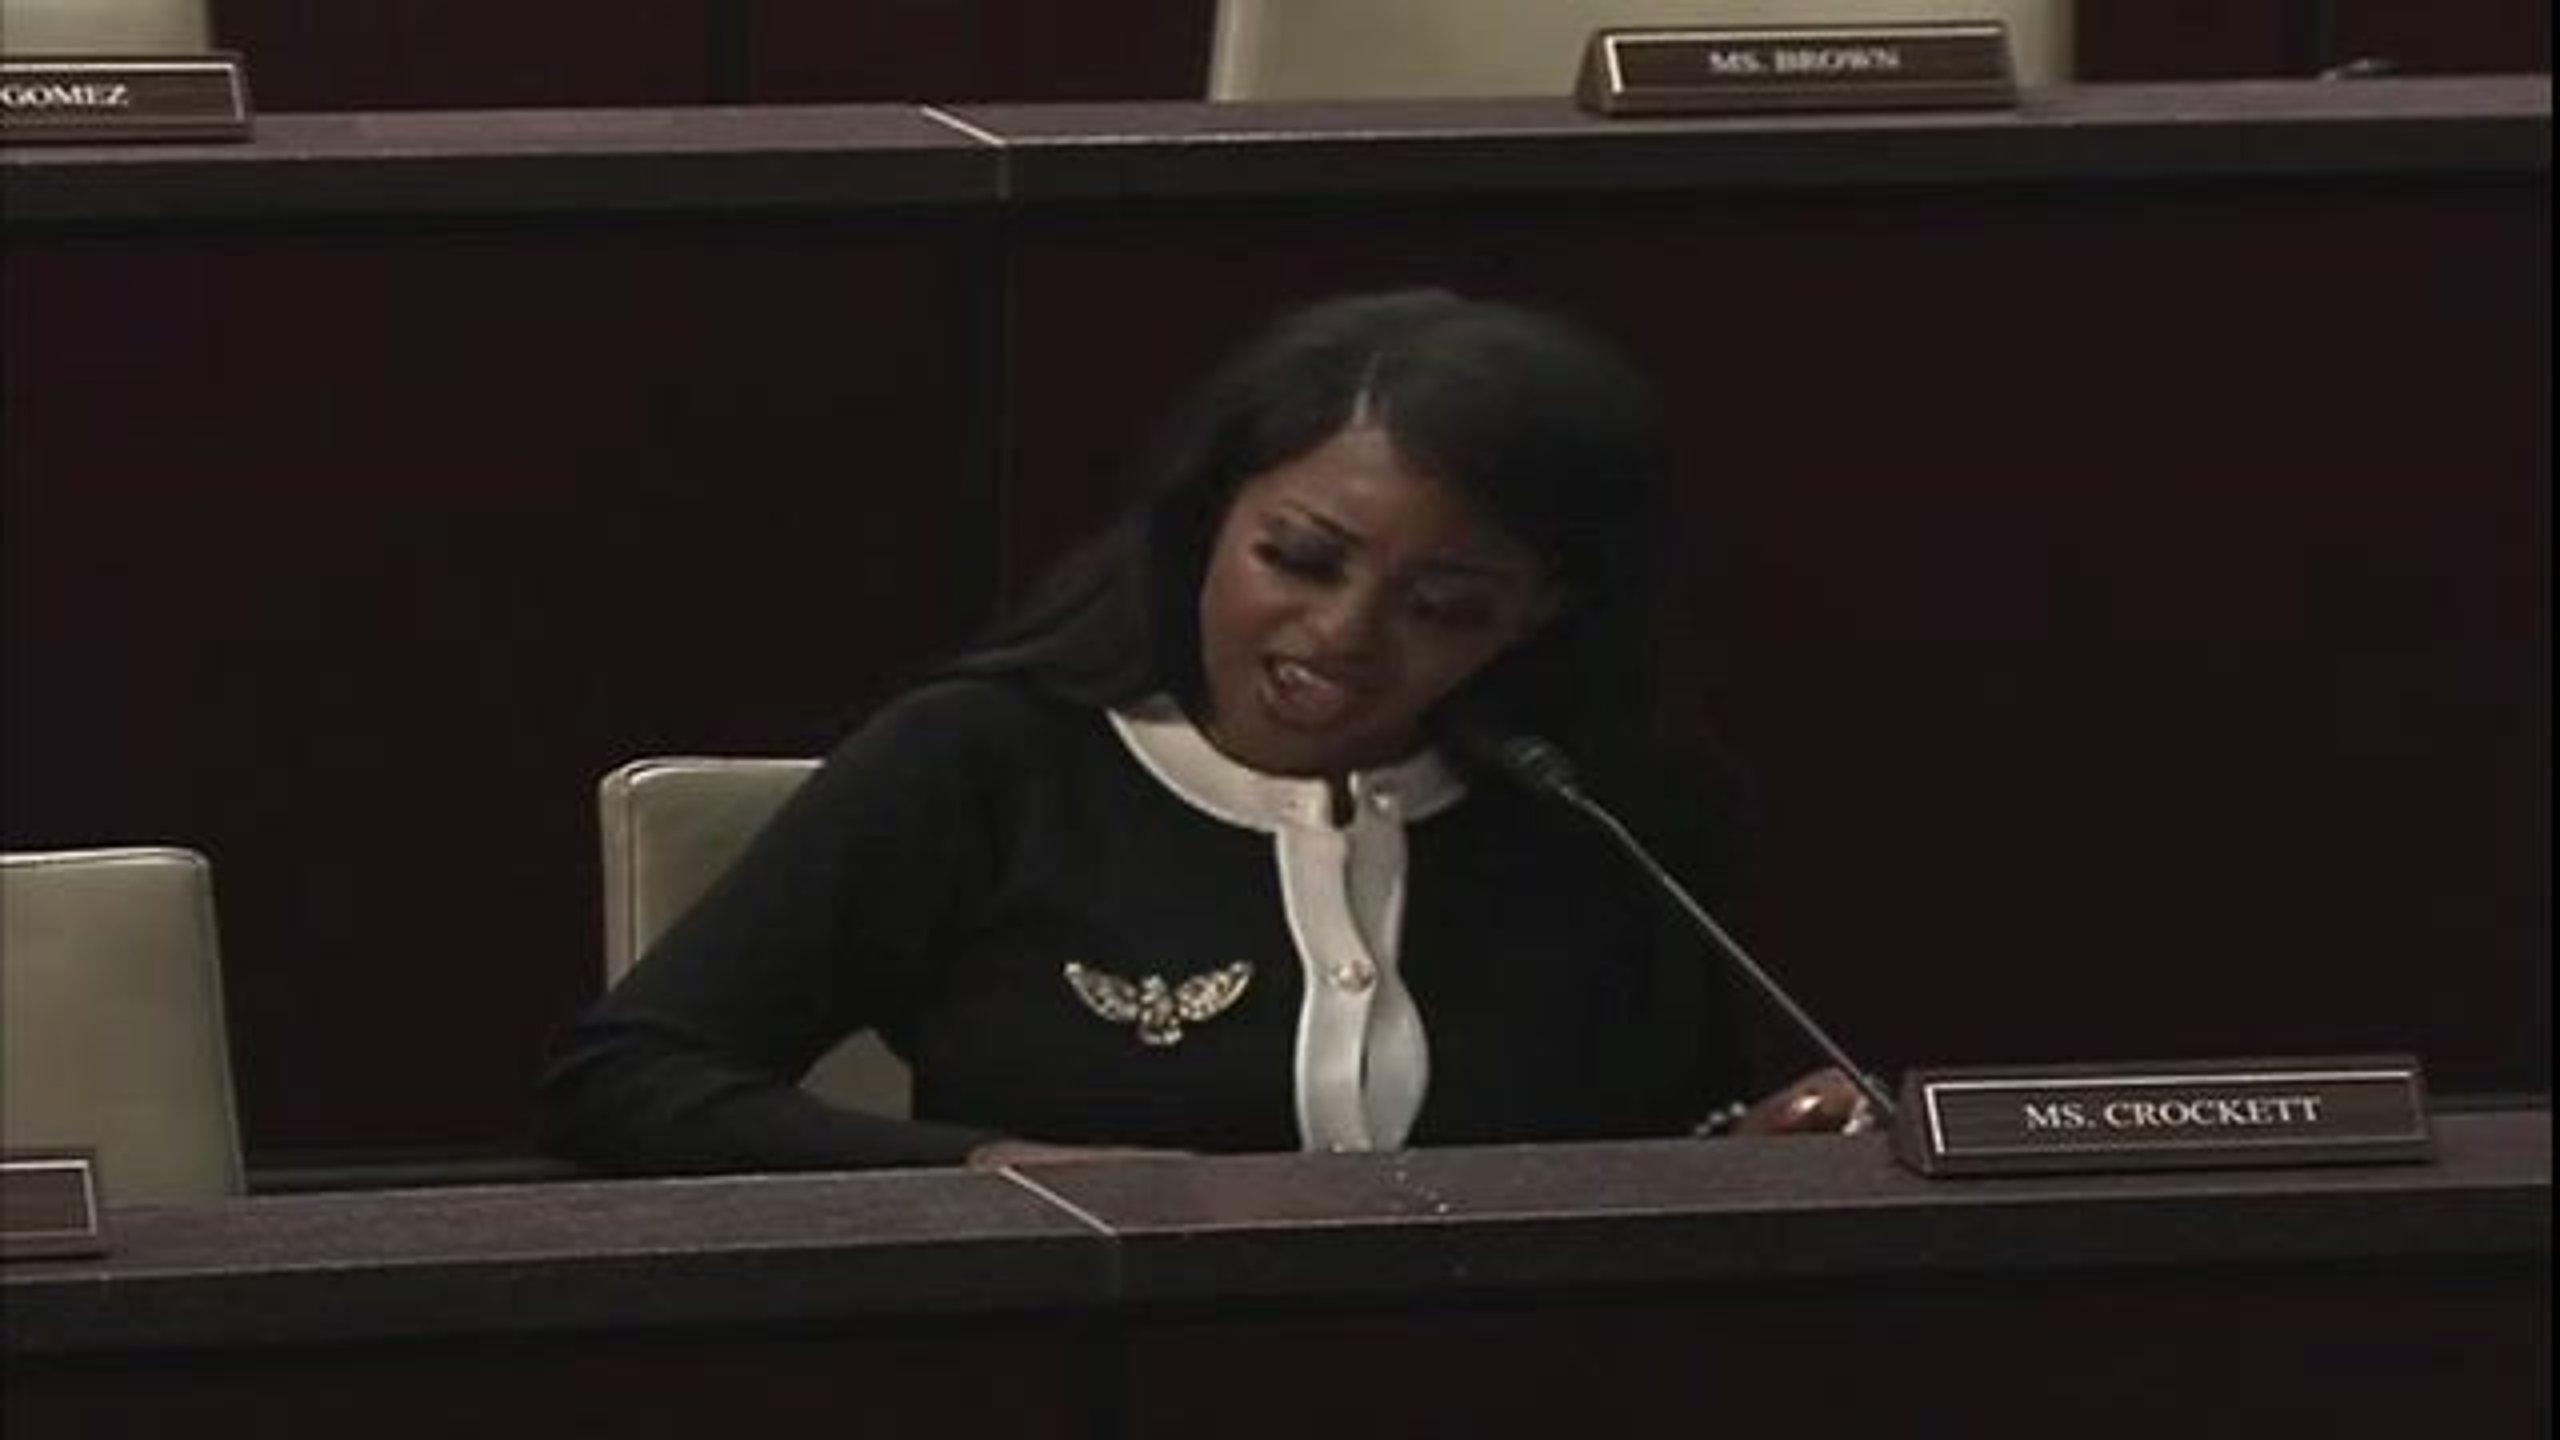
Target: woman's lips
{"points": [[1304, 696]]}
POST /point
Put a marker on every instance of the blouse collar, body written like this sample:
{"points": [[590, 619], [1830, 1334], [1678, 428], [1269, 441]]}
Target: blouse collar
{"points": [[1173, 750]]}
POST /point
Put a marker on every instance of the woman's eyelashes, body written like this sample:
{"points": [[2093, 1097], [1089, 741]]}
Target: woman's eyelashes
{"points": [[1450, 603], [1302, 557], [1460, 606]]}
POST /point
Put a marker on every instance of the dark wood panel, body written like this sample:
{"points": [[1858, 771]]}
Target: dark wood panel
{"points": [[2468, 37], [583, 164], [939, 50], [442, 54], [2228, 39], [355, 557], [446, 54], [914, 1379], [2267, 1350], [1137, 155]]}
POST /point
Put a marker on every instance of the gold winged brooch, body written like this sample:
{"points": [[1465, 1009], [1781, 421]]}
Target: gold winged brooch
{"points": [[1157, 1008]]}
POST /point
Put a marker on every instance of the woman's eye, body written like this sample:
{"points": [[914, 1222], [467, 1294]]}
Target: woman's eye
{"points": [[1310, 562], [1461, 611]]}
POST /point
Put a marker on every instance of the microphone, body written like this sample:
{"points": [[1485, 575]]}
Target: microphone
{"points": [[1540, 767]]}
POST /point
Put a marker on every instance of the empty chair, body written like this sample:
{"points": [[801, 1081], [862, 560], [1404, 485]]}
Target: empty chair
{"points": [[111, 1021], [672, 825], [105, 27], [1341, 49]]}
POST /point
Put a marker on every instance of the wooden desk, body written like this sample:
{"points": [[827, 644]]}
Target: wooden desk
{"points": [[1478, 1292]]}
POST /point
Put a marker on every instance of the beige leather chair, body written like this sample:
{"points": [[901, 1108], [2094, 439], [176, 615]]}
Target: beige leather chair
{"points": [[111, 1028], [1345, 49], [671, 826], [105, 27]]}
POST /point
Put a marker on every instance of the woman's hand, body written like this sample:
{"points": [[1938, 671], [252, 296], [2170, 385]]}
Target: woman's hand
{"points": [[1824, 1102]]}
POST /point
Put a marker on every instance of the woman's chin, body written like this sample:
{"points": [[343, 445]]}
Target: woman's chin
{"points": [[1280, 749], [1283, 752], [1263, 744], [1277, 735]]}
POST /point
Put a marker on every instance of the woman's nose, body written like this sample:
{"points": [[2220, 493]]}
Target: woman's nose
{"points": [[1350, 622]]}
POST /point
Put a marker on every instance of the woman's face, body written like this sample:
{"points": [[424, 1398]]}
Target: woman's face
{"points": [[1347, 595]]}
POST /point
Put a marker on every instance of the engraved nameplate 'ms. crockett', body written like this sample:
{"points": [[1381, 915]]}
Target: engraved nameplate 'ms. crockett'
{"points": [[2019, 1119]]}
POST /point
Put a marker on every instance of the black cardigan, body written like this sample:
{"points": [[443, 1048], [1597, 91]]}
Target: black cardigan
{"points": [[935, 876]]}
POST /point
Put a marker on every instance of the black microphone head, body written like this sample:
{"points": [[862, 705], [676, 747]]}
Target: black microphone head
{"points": [[1536, 762], [1532, 762]]}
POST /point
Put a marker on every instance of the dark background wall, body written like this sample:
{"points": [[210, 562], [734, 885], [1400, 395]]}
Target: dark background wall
{"points": [[2230, 39], [403, 54], [353, 555], [2128, 638]]}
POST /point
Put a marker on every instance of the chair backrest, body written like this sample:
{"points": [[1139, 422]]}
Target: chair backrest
{"points": [[1342, 49], [105, 27], [111, 1021], [674, 824]]}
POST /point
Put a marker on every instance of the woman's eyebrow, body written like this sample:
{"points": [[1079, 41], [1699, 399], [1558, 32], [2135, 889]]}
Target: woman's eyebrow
{"points": [[1460, 568], [1293, 510], [1454, 566]]}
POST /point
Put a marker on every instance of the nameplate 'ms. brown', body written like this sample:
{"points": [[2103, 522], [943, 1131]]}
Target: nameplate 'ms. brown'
{"points": [[1702, 71]]}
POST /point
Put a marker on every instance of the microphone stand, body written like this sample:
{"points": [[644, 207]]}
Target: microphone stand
{"points": [[1544, 768]]}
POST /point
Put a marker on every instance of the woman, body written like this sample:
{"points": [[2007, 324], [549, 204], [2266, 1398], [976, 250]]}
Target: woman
{"points": [[1197, 854]]}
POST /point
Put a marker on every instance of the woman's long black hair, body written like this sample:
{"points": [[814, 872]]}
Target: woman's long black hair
{"points": [[1551, 432]]}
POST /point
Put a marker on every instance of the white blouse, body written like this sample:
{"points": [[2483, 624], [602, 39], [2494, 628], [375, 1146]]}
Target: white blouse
{"points": [[1363, 1059]]}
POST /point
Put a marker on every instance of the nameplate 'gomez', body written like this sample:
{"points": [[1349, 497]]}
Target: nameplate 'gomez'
{"points": [[88, 98]]}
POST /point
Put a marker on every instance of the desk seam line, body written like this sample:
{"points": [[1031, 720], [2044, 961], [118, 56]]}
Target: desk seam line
{"points": [[1083, 1216]]}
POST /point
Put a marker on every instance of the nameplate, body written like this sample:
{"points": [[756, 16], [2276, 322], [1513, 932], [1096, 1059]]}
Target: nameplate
{"points": [[2210, 1114], [49, 1204], [1664, 71], [103, 97]]}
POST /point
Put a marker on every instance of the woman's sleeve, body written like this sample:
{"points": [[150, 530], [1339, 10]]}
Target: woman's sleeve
{"points": [[835, 918]]}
